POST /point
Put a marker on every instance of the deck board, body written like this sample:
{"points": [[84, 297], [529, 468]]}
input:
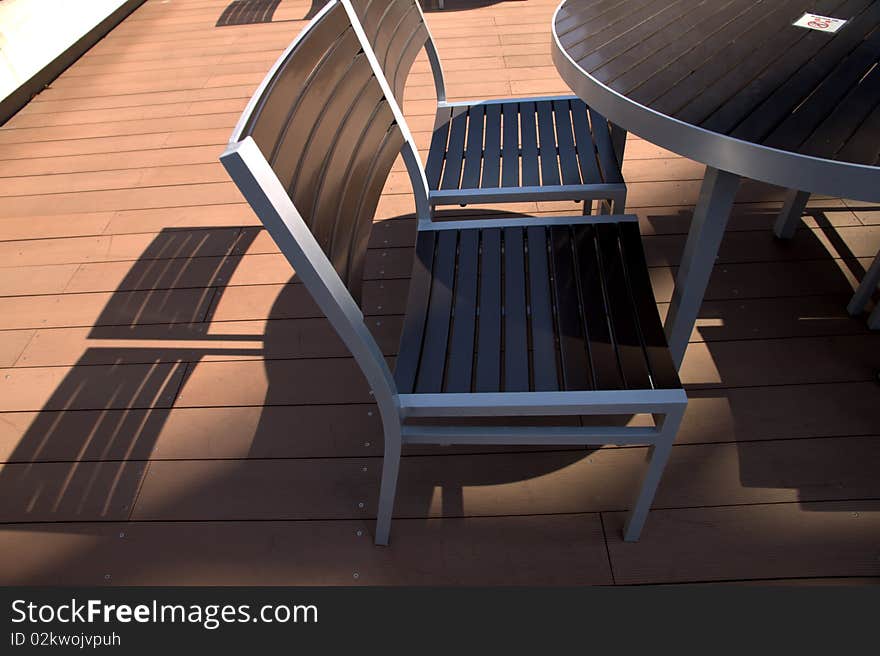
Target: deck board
{"points": [[159, 360]]}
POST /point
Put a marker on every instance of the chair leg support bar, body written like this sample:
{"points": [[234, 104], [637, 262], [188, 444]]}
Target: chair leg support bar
{"points": [[658, 456]]}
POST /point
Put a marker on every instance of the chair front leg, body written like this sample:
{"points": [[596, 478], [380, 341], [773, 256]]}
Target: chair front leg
{"points": [[657, 458], [388, 489]]}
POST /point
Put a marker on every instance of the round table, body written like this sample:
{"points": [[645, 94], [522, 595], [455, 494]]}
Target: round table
{"points": [[752, 88]]}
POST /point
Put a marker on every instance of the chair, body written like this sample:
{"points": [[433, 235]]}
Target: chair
{"points": [[496, 151], [785, 228], [506, 318]]}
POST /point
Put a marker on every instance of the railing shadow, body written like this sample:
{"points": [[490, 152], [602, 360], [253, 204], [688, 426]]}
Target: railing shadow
{"points": [[100, 424]]}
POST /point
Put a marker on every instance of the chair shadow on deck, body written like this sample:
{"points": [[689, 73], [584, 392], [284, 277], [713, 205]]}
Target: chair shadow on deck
{"points": [[94, 436], [84, 455]]}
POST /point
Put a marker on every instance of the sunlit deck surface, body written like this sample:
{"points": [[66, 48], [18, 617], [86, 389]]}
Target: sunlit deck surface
{"points": [[173, 409]]}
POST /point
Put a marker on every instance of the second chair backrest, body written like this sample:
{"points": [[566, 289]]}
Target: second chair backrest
{"points": [[326, 129], [397, 31], [311, 154]]}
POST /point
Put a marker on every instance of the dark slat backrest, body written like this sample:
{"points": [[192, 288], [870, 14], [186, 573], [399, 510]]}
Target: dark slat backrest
{"points": [[326, 129], [397, 32]]}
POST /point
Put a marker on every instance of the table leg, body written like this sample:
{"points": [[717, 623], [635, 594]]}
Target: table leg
{"points": [[618, 142], [790, 216], [707, 229], [866, 290]]}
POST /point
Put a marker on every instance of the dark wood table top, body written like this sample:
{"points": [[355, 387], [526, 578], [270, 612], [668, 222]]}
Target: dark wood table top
{"points": [[737, 69]]}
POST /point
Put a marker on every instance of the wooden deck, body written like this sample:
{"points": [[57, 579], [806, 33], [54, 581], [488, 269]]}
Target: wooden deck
{"points": [[173, 409]]}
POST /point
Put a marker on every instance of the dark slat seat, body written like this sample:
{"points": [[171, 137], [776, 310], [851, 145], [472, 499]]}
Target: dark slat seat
{"points": [[520, 148], [532, 309]]}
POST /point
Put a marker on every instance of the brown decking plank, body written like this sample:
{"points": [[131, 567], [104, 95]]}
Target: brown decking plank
{"points": [[492, 484], [135, 178], [34, 299], [772, 541], [67, 492], [232, 340], [126, 143], [311, 336], [338, 380], [732, 415], [352, 430], [564, 550], [111, 128], [12, 345], [112, 162]]}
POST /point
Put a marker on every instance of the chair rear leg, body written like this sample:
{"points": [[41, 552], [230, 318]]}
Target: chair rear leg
{"points": [[388, 489], [657, 458]]}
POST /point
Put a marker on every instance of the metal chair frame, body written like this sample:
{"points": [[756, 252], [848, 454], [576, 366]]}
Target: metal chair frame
{"points": [[258, 181]]}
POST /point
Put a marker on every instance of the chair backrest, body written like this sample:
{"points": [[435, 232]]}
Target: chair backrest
{"points": [[311, 154], [324, 126], [397, 32]]}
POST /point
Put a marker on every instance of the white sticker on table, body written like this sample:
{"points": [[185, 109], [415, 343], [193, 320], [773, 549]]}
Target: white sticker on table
{"points": [[821, 23]]}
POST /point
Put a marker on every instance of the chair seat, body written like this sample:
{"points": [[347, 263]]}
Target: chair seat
{"points": [[532, 309], [523, 148]]}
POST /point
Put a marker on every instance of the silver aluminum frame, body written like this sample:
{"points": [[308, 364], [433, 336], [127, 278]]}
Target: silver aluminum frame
{"points": [[253, 175], [612, 195], [727, 158]]}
